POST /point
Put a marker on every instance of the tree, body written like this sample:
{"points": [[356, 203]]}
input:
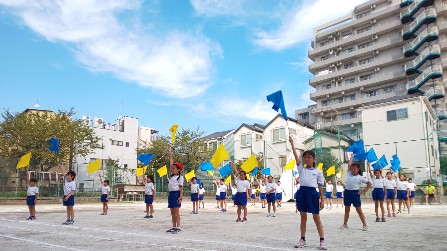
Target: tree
{"points": [[328, 160], [29, 131], [443, 163]]}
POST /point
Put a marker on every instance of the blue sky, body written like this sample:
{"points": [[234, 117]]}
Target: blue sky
{"points": [[207, 63]]}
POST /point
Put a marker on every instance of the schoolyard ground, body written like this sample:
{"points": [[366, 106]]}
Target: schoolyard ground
{"points": [[125, 229]]}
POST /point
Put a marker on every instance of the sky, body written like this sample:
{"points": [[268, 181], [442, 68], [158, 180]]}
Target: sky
{"points": [[197, 63]]}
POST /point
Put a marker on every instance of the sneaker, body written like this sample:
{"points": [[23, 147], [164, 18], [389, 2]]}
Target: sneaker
{"points": [[224, 210], [34, 217], [103, 214], [394, 215], [67, 222], [170, 230], [197, 212], [244, 219], [71, 222], [383, 220], [146, 217], [269, 214], [29, 218], [193, 212], [377, 219], [365, 228], [344, 226], [323, 245], [273, 215], [175, 231], [238, 220], [389, 215], [301, 243], [150, 217]]}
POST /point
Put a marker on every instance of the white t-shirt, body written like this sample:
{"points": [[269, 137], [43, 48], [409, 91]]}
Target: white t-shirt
{"points": [[105, 189], [412, 186], [253, 191], [148, 188], [194, 188], [270, 186], [390, 184], [278, 188], [402, 185], [329, 188], [69, 186], [340, 189], [263, 188], [233, 190], [202, 190], [217, 190], [223, 188], [32, 191], [353, 181], [378, 183], [242, 185], [310, 177], [175, 182]]}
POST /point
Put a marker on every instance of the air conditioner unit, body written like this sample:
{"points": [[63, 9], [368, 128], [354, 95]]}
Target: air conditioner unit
{"points": [[327, 95], [340, 78], [373, 21], [331, 51], [333, 80], [352, 108], [375, 36], [373, 6], [339, 33], [339, 63], [377, 69], [343, 92], [376, 52], [318, 126], [362, 88], [332, 65], [339, 48], [330, 36]]}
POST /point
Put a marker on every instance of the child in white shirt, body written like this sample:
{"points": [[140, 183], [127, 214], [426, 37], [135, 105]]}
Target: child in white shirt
{"points": [[201, 195], [32, 195], [105, 192], [149, 196]]}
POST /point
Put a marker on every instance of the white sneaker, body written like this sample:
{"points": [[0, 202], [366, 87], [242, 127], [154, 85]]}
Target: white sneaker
{"points": [[269, 214], [365, 228], [274, 215], [301, 243], [344, 226], [323, 245]]}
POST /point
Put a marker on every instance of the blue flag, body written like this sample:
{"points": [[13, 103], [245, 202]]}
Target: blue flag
{"points": [[255, 171], [371, 156], [395, 167], [54, 145], [357, 148], [206, 166], [383, 161], [278, 103], [145, 158], [198, 181], [266, 171], [396, 159], [360, 157], [376, 166], [295, 173], [225, 170]]}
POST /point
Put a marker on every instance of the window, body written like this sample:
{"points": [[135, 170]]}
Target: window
{"points": [[304, 115], [325, 57], [371, 93], [326, 102], [364, 45], [350, 98], [364, 14], [366, 76], [279, 134], [125, 166], [212, 145], [349, 65], [366, 60], [348, 50], [246, 139], [350, 115], [339, 100], [364, 29], [282, 160], [119, 143], [349, 81], [326, 86], [398, 114], [258, 137], [324, 43], [389, 89], [114, 142], [292, 131], [127, 144]]}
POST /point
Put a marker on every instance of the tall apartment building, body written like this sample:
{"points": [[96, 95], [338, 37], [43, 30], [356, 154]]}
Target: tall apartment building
{"points": [[383, 49]]}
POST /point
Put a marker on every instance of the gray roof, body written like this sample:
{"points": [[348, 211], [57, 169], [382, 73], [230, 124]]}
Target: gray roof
{"points": [[218, 134]]}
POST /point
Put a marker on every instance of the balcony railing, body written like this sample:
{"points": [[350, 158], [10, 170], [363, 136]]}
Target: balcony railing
{"points": [[429, 53], [410, 48], [426, 17], [408, 13], [431, 72]]}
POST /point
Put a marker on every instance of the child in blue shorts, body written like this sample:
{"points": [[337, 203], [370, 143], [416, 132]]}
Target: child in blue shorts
{"points": [[253, 195], [105, 192], [243, 191], [149, 195], [175, 187], [378, 193], [403, 191], [271, 196], [340, 189], [201, 195], [69, 195], [194, 195], [310, 179], [413, 188], [391, 191], [32, 194], [329, 191]]}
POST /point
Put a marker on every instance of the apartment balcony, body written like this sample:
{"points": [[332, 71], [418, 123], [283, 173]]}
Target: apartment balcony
{"points": [[374, 66], [374, 33], [359, 101], [441, 8], [376, 47], [441, 113], [426, 17], [410, 49], [442, 26], [405, 3], [408, 12], [378, 79], [436, 92], [443, 42], [339, 121], [442, 136], [432, 72], [430, 53]]}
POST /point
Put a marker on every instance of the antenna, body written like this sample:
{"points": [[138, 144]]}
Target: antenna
{"points": [[36, 105]]}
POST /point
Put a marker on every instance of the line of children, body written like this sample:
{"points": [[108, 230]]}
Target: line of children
{"points": [[175, 195], [340, 191], [201, 195], [105, 192], [149, 195], [329, 191], [403, 191], [378, 193], [391, 191], [194, 195], [243, 191], [307, 200], [32, 194]]}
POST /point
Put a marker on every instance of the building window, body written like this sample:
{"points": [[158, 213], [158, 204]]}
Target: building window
{"points": [[366, 76], [119, 143], [326, 86], [366, 60], [326, 102], [351, 115], [349, 81], [212, 145], [114, 142], [339, 100], [371, 93], [389, 89], [325, 57], [245, 140], [279, 134], [258, 137], [398, 114], [324, 43], [364, 14], [349, 65], [292, 131], [125, 166], [364, 29], [304, 115], [364, 45], [282, 160], [350, 98], [127, 144]]}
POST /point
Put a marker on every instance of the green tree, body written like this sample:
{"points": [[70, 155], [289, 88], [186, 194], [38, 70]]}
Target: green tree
{"points": [[443, 162], [29, 131], [328, 160]]}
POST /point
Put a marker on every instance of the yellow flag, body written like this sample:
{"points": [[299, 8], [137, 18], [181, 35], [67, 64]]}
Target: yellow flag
{"points": [[94, 166], [248, 177], [173, 131], [340, 173], [162, 171], [228, 180], [190, 175], [24, 161], [330, 171], [290, 165], [211, 173], [144, 169], [320, 166], [139, 171], [250, 164], [220, 155]]}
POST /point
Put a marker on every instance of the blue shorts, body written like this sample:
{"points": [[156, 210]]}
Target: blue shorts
{"points": [[173, 199], [352, 197], [240, 199], [279, 196], [378, 194], [339, 195], [194, 197], [232, 196], [263, 196], [295, 196], [307, 200], [328, 195], [402, 195], [390, 194], [413, 193], [69, 202], [217, 197], [223, 196], [148, 199], [271, 198], [104, 198], [201, 196], [30, 200], [253, 196], [318, 193]]}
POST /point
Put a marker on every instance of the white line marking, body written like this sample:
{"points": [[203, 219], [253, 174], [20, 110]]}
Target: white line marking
{"points": [[38, 242]]}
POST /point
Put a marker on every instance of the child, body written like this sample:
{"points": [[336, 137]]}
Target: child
{"points": [[263, 194], [279, 192], [69, 195], [243, 190], [352, 193], [413, 188], [222, 194], [201, 195], [253, 195], [391, 191], [233, 193], [175, 187], [105, 192], [149, 196], [32, 194], [378, 193], [271, 195], [194, 195], [310, 179], [403, 191], [340, 189], [329, 190], [217, 193]]}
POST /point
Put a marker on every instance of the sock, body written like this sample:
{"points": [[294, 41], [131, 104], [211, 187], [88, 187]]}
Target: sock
{"points": [[321, 239], [303, 238]]}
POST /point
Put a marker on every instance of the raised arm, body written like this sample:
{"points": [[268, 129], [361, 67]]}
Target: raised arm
{"points": [[351, 157], [297, 158], [370, 172], [171, 159], [233, 166], [27, 176]]}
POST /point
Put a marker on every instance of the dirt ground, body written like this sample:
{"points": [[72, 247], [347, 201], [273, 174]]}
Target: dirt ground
{"points": [[125, 229]]}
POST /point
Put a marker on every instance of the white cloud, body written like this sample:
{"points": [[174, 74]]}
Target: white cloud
{"points": [[212, 8], [297, 26], [177, 64]]}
